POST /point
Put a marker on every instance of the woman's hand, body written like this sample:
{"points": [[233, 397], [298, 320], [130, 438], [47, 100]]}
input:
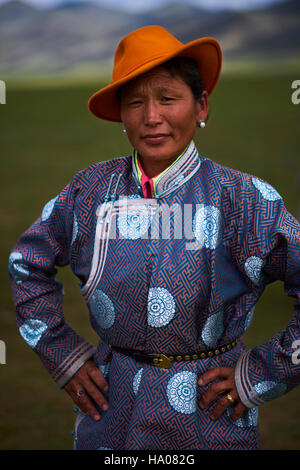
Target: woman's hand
{"points": [[222, 386], [85, 388]]}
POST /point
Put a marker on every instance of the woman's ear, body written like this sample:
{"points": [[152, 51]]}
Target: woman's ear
{"points": [[202, 107]]}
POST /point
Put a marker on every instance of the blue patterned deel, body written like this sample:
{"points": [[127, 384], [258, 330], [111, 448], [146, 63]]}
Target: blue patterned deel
{"points": [[206, 226], [102, 309], [48, 208], [161, 307], [17, 267], [253, 267], [213, 329], [32, 330], [150, 292], [266, 190], [181, 392]]}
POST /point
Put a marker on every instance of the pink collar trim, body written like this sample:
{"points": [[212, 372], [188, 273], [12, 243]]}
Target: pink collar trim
{"points": [[146, 182]]}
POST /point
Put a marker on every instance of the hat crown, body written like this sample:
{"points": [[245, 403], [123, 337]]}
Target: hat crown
{"points": [[142, 46]]}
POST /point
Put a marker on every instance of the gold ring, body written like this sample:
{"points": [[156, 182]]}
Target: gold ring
{"points": [[230, 399], [80, 393]]}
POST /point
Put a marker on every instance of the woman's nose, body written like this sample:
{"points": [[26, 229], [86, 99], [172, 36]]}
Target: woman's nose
{"points": [[152, 113]]}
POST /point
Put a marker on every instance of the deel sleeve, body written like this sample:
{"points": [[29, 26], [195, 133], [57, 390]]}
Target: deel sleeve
{"points": [[38, 296], [269, 250]]}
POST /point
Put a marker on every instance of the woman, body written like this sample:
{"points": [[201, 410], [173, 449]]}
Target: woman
{"points": [[172, 251]]}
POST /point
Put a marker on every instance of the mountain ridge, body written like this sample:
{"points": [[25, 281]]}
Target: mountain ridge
{"points": [[77, 34]]}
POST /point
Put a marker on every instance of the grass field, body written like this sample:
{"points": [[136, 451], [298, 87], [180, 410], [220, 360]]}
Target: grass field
{"points": [[47, 135]]}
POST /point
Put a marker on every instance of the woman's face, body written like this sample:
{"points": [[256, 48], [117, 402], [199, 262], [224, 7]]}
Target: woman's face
{"points": [[160, 114]]}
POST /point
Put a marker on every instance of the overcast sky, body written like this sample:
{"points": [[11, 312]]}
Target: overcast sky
{"points": [[138, 5]]}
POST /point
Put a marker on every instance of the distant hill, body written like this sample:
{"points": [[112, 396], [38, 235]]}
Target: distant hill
{"points": [[79, 34]]}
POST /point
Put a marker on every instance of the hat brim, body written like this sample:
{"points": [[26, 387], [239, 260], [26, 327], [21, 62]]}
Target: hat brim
{"points": [[206, 51]]}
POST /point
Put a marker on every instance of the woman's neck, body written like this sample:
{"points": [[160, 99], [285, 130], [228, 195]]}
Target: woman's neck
{"points": [[152, 167]]}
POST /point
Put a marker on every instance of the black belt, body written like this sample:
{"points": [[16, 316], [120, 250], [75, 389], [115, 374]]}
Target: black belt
{"points": [[164, 361]]}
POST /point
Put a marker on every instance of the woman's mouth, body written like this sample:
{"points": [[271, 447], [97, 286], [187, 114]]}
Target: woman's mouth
{"points": [[155, 139]]}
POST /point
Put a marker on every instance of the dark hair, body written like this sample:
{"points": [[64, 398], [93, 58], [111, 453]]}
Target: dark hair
{"points": [[185, 68]]}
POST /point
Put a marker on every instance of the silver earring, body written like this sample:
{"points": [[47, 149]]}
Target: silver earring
{"points": [[201, 124], [124, 130]]}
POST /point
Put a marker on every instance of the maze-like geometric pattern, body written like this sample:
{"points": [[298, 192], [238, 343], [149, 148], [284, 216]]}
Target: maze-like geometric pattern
{"points": [[172, 295]]}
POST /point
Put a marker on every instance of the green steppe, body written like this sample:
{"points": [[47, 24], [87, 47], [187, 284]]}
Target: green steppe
{"points": [[46, 135]]}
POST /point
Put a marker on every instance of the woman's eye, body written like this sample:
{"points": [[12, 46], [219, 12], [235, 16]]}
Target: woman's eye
{"points": [[134, 102]]}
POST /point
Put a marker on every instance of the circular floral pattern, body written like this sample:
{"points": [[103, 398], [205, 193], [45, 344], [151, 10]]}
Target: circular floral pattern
{"points": [[161, 307], [136, 381], [32, 331], [269, 390], [48, 208], [248, 418], [134, 219], [213, 329], [17, 267], [206, 226], [253, 267], [181, 392], [102, 309], [266, 190]]}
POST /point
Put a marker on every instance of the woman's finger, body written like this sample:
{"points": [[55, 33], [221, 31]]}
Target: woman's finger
{"points": [[93, 392], [223, 403], [82, 399], [237, 411], [215, 373], [213, 391], [97, 377]]}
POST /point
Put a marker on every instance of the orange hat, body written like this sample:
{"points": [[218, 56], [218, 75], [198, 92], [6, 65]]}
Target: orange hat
{"points": [[146, 48]]}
